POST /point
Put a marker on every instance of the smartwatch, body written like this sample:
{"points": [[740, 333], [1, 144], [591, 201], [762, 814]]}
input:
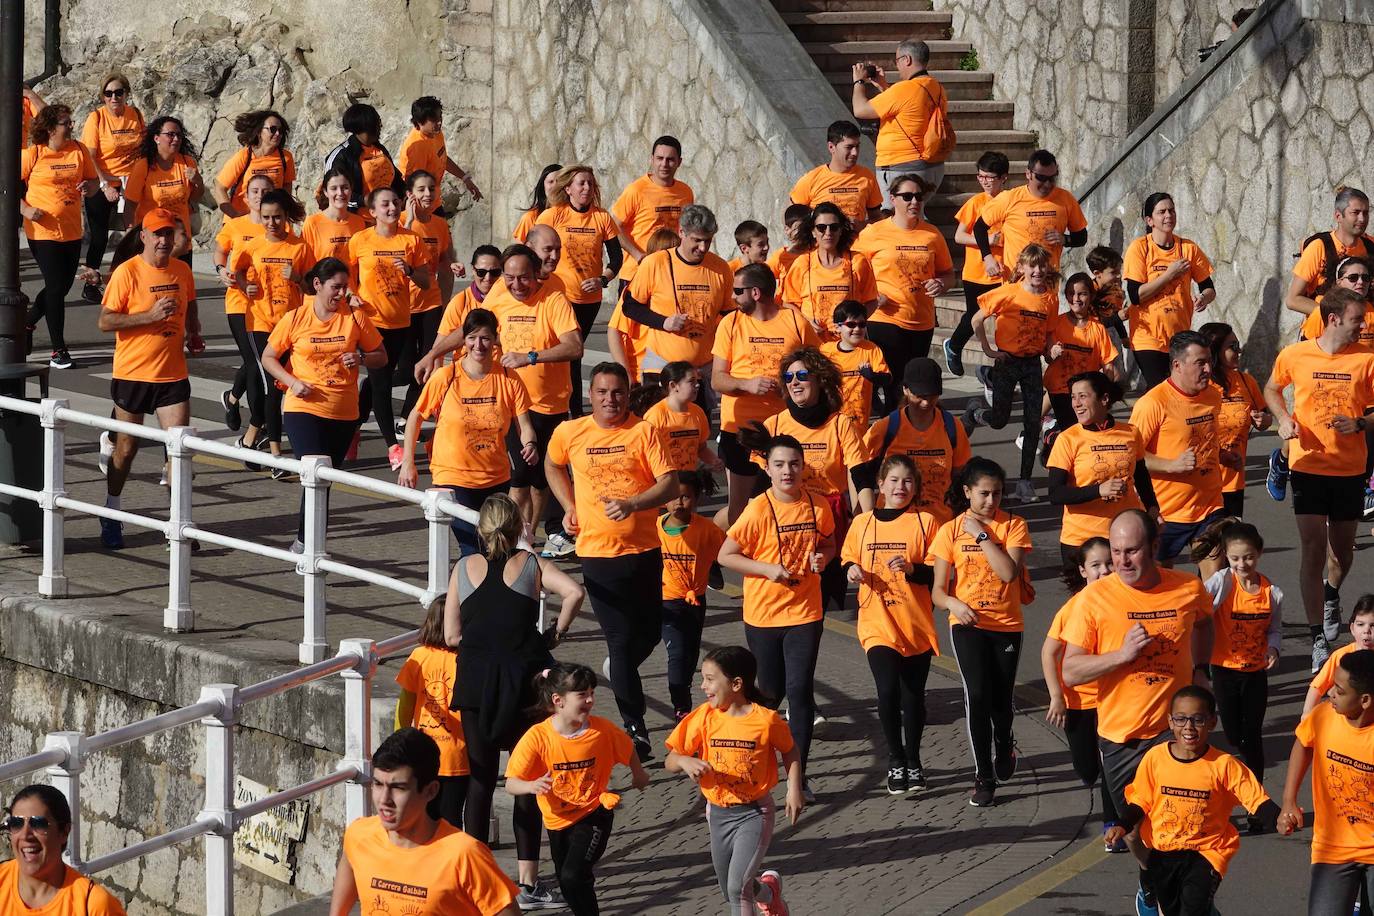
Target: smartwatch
{"points": [[533, 356]]}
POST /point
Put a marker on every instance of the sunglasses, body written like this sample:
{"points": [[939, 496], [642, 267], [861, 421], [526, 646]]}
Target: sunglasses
{"points": [[484, 272], [854, 324], [272, 129], [1045, 179], [1196, 721], [170, 135], [1356, 278], [14, 823], [800, 375], [907, 196], [65, 123], [828, 227], [116, 93], [741, 290]]}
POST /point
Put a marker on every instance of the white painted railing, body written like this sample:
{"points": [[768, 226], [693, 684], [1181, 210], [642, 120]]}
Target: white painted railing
{"points": [[182, 445]]}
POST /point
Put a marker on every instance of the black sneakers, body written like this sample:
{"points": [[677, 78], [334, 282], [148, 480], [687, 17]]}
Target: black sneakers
{"points": [[1004, 761], [896, 781], [984, 794], [916, 780]]}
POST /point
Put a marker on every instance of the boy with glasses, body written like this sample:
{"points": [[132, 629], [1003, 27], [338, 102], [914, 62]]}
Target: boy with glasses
{"points": [[861, 363], [1041, 213]]}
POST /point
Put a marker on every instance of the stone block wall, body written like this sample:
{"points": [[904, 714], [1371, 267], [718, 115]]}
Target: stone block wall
{"points": [[1181, 28]]}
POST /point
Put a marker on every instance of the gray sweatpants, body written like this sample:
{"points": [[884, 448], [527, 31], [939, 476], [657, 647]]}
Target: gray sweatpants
{"points": [[740, 835]]}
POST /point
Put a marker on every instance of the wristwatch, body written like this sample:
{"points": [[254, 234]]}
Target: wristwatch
{"points": [[533, 356], [982, 536]]}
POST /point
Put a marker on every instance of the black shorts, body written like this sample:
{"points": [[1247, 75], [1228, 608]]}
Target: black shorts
{"points": [[524, 475], [146, 397], [738, 459], [1340, 499]]}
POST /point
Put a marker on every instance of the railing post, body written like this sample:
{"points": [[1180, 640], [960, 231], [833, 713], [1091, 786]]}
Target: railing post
{"points": [[437, 567], [66, 778], [53, 581], [219, 798], [314, 646], [178, 615], [358, 726]]}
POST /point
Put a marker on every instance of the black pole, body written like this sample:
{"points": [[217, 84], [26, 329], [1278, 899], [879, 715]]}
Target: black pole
{"points": [[13, 303]]}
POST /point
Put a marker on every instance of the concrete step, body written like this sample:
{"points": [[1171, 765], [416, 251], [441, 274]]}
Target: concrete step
{"points": [[960, 85], [833, 56], [981, 114], [844, 6], [870, 25], [949, 309], [971, 144]]}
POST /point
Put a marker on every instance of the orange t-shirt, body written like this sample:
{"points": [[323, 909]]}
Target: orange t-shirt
{"points": [[1171, 422], [584, 237], [421, 153], [683, 433], [904, 109], [1311, 266], [997, 603], [815, 289], [1233, 423], [114, 142], [1084, 696], [935, 456], [615, 463], [53, 184], [581, 768], [687, 557], [463, 301], [1133, 700], [973, 259], [315, 346], [780, 260], [751, 348], [856, 390], [78, 896], [1326, 385], [150, 352], [1091, 457], [451, 875], [536, 324], [702, 292], [278, 165], [633, 335], [1312, 326], [1086, 349], [1342, 786], [384, 287], [1170, 310], [1188, 804], [264, 263], [1324, 679], [855, 191], [902, 261], [153, 187], [743, 751], [473, 417], [27, 116], [434, 232], [1023, 318], [1242, 621], [829, 450], [1023, 218], [428, 673], [328, 237], [234, 233], [643, 208], [377, 169], [892, 611], [772, 531], [526, 223]]}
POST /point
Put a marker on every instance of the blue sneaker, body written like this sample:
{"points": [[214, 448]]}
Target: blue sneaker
{"points": [[111, 534], [1145, 905], [1277, 480], [954, 362]]}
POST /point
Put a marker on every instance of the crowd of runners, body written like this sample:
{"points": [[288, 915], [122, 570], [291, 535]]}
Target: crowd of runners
{"points": [[798, 374]]}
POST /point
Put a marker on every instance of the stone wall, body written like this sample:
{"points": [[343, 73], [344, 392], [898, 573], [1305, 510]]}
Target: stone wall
{"points": [[1181, 28]]}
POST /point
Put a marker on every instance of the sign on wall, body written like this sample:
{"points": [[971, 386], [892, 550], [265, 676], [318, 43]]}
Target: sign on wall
{"points": [[267, 841]]}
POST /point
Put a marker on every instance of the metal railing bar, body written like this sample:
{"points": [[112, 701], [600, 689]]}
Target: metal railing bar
{"points": [[267, 802], [136, 731], [397, 644], [224, 540], [377, 579], [233, 452], [138, 850], [31, 764], [119, 515], [108, 424], [21, 405], [20, 492], [373, 485], [297, 678]]}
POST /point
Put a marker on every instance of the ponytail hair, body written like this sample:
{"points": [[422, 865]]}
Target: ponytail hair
{"points": [[646, 395], [562, 678], [756, 438], [499, 526], [738, 662], [1222, 532]]}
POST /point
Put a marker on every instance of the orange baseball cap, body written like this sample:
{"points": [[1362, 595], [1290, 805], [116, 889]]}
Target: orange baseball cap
{"points": [[160, 219]]}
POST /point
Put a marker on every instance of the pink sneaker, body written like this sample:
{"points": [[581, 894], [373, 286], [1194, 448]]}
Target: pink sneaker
{"points": [[778, 907], [395, 455]]}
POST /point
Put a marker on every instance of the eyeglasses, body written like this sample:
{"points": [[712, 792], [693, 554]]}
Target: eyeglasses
{"points": [[854, 324], [1356, 278], [1197, 721], [67, 122], [827, 227], [741, 290], [116, 93], [484, 272], [984, 176], [907, 196], [801, 375], [170, 135], [272, 128], [1045, 179], [15, 823]]}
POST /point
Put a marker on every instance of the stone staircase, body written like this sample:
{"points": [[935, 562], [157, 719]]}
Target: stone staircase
{"points": [[839, 33]]}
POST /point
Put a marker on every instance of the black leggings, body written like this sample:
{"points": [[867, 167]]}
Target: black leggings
{"points": [[1004, 378], [448, 804], [901, 684], [575, 851], [626, 593], [264, 397], [1080, 728], [1154, 366], [312, 435], [1233, 503], [374, 397], [484, 757], [682, 625], [988, 669], [424, 327], [57, 262], [586, 313], [1242, 697], [98, 213], [1184, 883], [899, 347], [787, 668], [964, 332], [238, 329], [1061, 405]]}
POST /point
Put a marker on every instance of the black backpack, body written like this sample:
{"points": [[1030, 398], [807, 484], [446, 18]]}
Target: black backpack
{"points": [[1332, 256]]}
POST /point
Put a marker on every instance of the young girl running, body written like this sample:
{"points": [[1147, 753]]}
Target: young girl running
{"points": [[690, 544], [1078, 343], [327, 232], [686, 431], [566, 762], [729, 746], [1074, 709], [426, 681], [979, 566], [426, 305], [234, 233], [886, 550]]}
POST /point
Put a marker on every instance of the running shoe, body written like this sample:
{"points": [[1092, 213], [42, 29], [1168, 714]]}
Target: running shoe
{"points": [[396, 456], [557, 546], [538, 897], [257, 446], [916, 780], [715, 579], [106, 452], [111, 534], [984, 375], [162, 480], [817, 719], [970, 418], [606, 667], [1004, 760], [232, 420], [1023, 491], [280, 473], [1368, 511], [352, 453], [91, 293], [1145, 904], [776, 906], [954, 361], [808, 794], [639, 735], [896, 781], [984, 793], [1331, 620], [1321, 651], [399, 426], [1119, 846], [1276, 482], [297, 546], [60, 359]]}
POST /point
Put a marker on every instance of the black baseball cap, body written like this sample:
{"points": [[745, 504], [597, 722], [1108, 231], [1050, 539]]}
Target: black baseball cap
{"points": [[922, 377]]}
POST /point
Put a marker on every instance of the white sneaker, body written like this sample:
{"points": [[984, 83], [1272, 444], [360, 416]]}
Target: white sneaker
{"points": [[558, 546], [106, 451], [539, 897], [1023, 491]]}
